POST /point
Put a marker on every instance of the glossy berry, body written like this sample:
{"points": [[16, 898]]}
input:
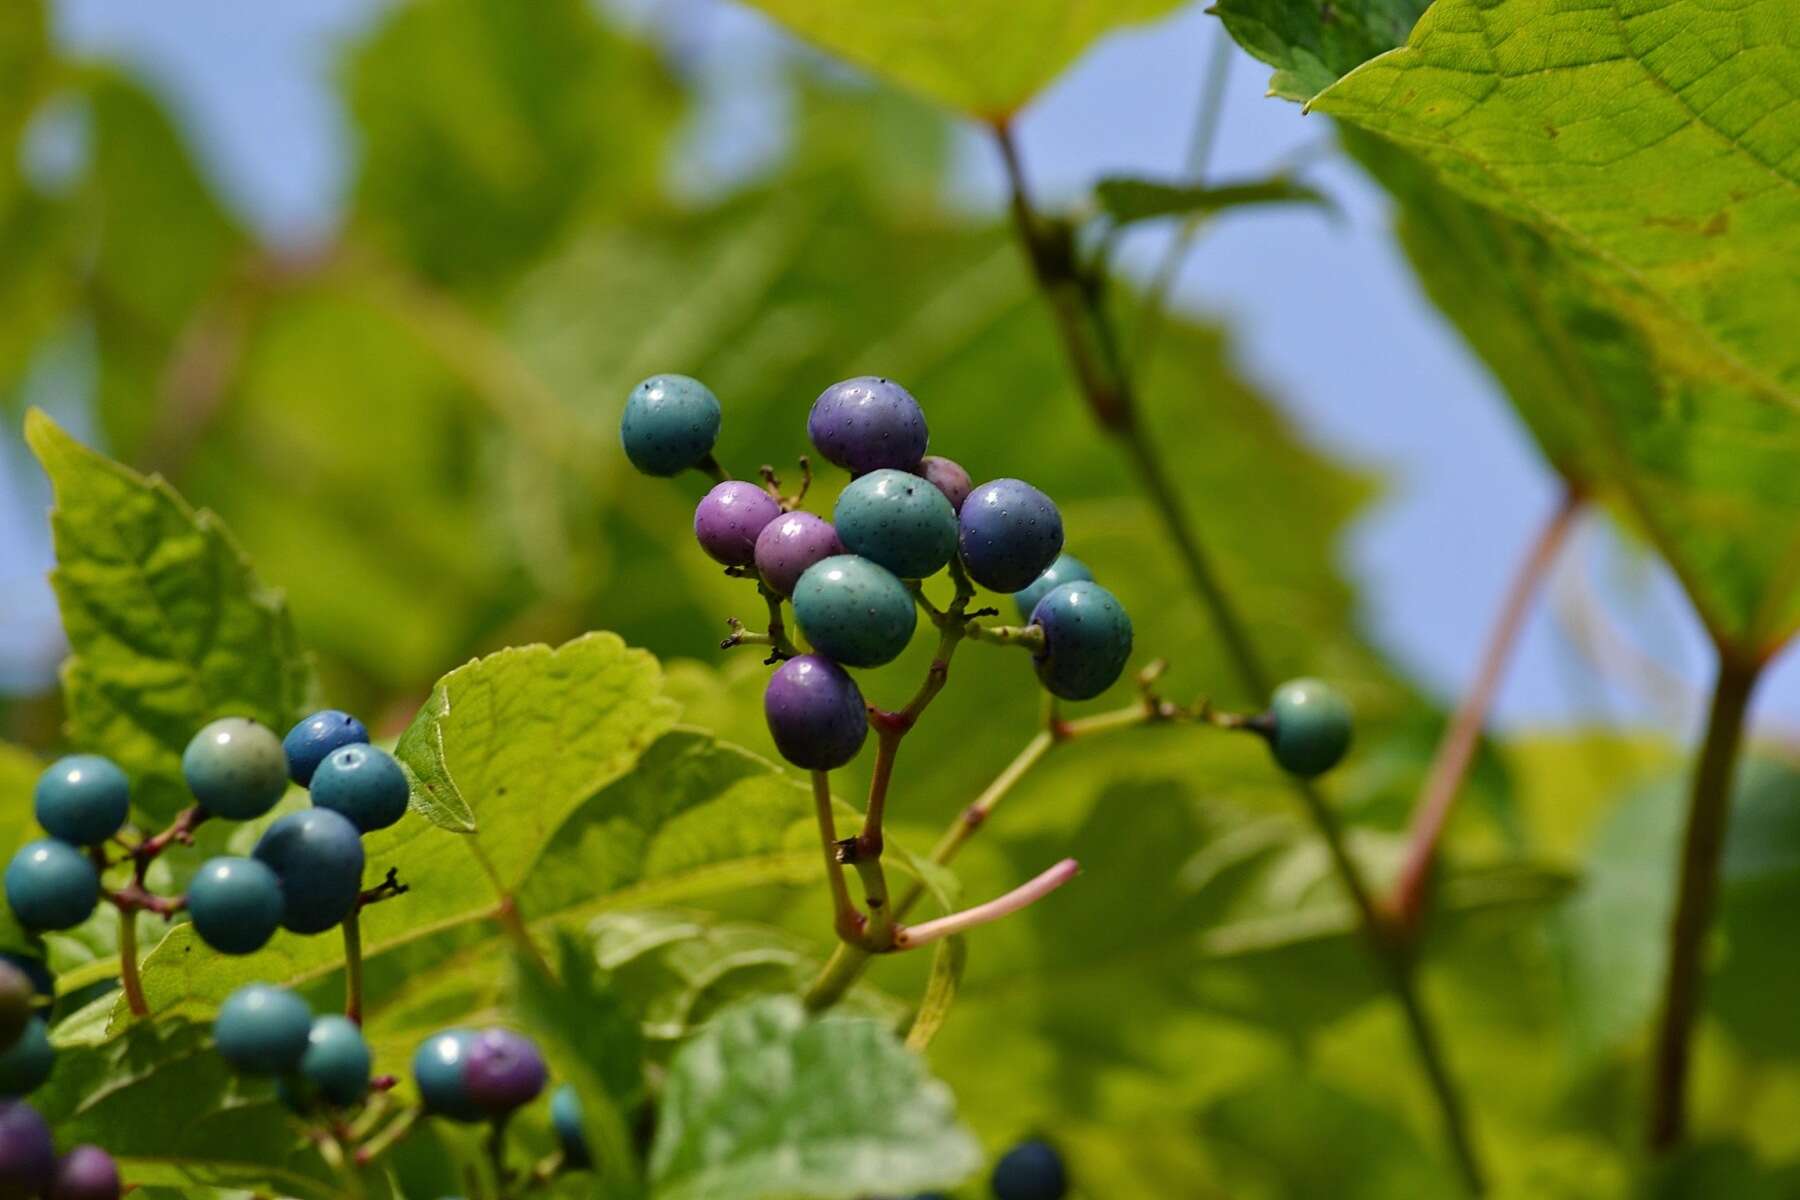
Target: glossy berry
{"points": [[1310, 726], [363, 783], [1087, 640], [1031, 1170], [236, 768], [27, 1156], [791, 543], [867, 423], [82, 799], [438, 1070], [25, 1067], [337, 1060], [1009, 533], [1066, 569], [86, 1173], [307, 743], [51, 885], [729, 518], [262, 1030], [571, 1133], [18, 1003], [318, 857], [854, 611], [898, 520], [504, 1071], [670, 424], [948, 477], [816, 713], [236, 904]]}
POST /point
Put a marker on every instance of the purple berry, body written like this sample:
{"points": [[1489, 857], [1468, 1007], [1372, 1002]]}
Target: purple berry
{"points": [[816, 713], [1009, 534], [948, 477], [86, 1173], [867, 423], [27, 1157], [791, 543], [504, 1071], [729, 518]]}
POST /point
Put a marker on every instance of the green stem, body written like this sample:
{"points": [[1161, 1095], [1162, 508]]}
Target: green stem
{"points": [[1709, 812], [128, 964], [847, 921], [353, 966]]}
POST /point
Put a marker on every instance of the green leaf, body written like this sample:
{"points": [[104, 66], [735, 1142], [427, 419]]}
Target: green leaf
{"points": [[168, 626], [986, 58], [770, 1102], [1311, 43], [1129, 200]]}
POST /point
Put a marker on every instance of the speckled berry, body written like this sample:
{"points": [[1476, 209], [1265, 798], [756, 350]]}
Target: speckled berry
{"points": [[1310, 726], [571, 1131], [438, 1071], [236, 904], [504, 1071], [899, 520], [1087, 640], [670, 424], [854, 612], [86, 1173], [791, 543], [318, 856], [1066, 569], [27, 1155], [729, 518], [363, 783], [262, 1030], [82, 799], [337, 1061], [236, 768], [816, 713], [28, 1063], [867, 423], [1031, 1170], [1009, 534], [307, 743], [948, 477], [51, 885]]}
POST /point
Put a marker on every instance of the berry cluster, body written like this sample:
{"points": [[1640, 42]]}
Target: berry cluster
{"points": [[30, 1166], [467, 1076], [269, 1031]]}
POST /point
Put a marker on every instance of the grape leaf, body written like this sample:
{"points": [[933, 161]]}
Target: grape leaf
{"points": [[168, 626], [769, 1102], [1311, 43]]}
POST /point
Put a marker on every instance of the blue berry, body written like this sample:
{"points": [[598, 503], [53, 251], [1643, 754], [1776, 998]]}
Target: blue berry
{"points": [[791, 543], [1066, 569], [262, 1030], [728, 520], [1087, 640], [27, 1155], [816, 713], [86, 1173], [948, 477], [82, 799], [1310, 727], [236, 768], [898, 520], [670, 424], [318, 856], [503, 1071], [1009, 533], [307, 743], [363, 783], [854, 611], [571, 1131], [51, 885], [337, 1061], [867, 423], [1032, 1170], [438, 1070], [236, 904], [25, 1067]]}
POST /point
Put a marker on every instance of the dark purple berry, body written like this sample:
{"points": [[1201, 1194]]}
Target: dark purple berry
{"points": [[27, 1157], [1009, 532], [504, 1071], [86, 1173], [1032, 1170], [729, 518], [867, 423], [948, 477], [816, 713], [791, 543]]}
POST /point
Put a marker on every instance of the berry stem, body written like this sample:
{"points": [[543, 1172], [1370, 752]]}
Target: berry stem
{"points": [[1025, 894], [353, 966], [1456, 750], [710, 466], [128, 964], [847, 921], [388, 1138], [1031, 637]]}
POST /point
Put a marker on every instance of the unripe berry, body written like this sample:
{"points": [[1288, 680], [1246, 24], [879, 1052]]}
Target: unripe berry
{"points": [[815, 712], [86, 1173], [670, 424], [729, 518], [42, 981], [82, 799], [791, 543], [51, 885], [318, 856], [438, 1071], [236, 768], [1032, 1170], [18, 1004], [1066, 569], [262, 1030], [854, 611], [898, 520], [25, 1067], [337, 1061], [504, 1071], [236, 904], [27, 1156], [571, 1133], [1009, 534], [307, 743], [948, 477], [1310, 727], [1087, 640], [867, 423], [363, 783]]}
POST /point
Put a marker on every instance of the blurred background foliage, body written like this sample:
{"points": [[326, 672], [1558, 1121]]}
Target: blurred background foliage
{"points": [[410, 427]]}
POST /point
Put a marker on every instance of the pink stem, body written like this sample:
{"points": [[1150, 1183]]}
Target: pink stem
{"points": [[1004, 906]]}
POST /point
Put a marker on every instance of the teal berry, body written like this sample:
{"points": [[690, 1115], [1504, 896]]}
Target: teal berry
{"points": [[571, 1130], [307, 743], [337, 1061], [263, 1030], [317, 855], [82, 799], [1066, 569], [25, 1067], [236, 904], [1309, 727], [363, 783], [1087, 640], [898, 520], [853, 611], [438, 1067], [236, 768], [670, 424], [51, 885]]}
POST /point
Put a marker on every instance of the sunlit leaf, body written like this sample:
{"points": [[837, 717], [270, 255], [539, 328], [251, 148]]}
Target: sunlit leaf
{"points": [[1129, 200]]}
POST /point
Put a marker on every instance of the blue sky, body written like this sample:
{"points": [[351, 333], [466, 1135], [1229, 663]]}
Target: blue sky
{"points": [[1326, 314]]}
